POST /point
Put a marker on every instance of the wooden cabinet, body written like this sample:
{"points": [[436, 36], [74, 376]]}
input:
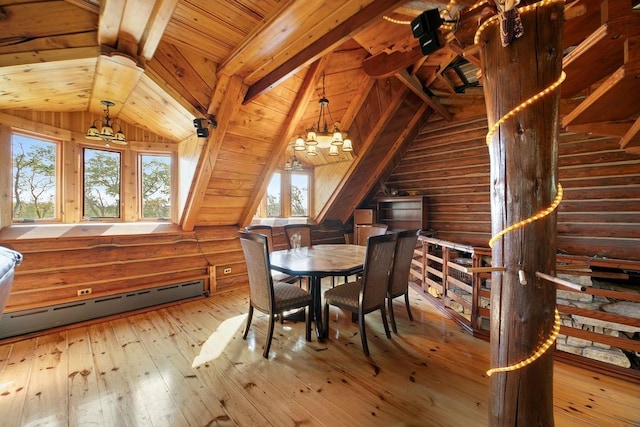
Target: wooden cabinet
{"points": [[404, 213]]}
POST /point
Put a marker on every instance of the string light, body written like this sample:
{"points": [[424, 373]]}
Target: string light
{"points": [[396, 21], [541, 214], [524, 105], [537, 216], [537, 354]]}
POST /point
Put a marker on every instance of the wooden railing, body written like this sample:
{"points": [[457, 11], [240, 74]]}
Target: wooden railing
{"points": [[457, 279]]}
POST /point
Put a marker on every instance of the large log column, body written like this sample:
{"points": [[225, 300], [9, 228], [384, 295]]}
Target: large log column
{"points": [[523, 152]]}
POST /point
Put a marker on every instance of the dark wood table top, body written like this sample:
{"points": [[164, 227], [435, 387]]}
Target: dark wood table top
{"points": [[319, 260]]}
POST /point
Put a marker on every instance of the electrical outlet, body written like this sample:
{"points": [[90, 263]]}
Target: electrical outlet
{"points": [[227, 270], [85, 291]]}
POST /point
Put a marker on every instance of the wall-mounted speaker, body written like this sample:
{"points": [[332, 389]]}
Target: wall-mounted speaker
{"points": [[429, 42], [427, 22]]}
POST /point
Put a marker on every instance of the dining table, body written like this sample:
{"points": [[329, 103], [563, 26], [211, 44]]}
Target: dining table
{"points": [[316, 262]]}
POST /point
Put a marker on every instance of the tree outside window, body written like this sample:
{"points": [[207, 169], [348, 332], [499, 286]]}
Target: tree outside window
{"points": [[156, 185], [34, 178], [101, 184], [299, 194], [274, 195]]}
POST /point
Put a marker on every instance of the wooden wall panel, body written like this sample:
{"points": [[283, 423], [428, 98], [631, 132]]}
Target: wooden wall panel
{"points": [[600, 213], [53, 270]]}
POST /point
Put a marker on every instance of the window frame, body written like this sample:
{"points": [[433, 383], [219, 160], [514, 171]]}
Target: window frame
{"points": [[59, 190], [121, 203], [285, 189], [172, 184]]}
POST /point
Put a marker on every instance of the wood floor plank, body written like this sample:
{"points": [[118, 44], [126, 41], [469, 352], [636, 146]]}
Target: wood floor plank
{"points": [[187, 388], [121, 395], [267, 399], [227, 393], [158, 398], [15, 377], [85, 405], [47, 396], [187, 364]]}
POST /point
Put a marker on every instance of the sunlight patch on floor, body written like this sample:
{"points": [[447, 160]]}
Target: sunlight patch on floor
{"points": [[216, 343]]}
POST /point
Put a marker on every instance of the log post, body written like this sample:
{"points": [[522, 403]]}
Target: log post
{"points": [[524, 178]]}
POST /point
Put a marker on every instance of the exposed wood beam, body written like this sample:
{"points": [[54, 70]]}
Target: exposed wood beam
{"points": [[155, 28], [297, 110], [322, 46], [385, 65], [375, 175], [86, 5], [632, 136], [356, 102], [234, 91], [416, 87], [48, 56], [615, 129], [109, 24], [116, 76]]}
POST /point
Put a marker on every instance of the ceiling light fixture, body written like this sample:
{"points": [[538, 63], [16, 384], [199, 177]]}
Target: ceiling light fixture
{"points": [[106, 132], [319, 134], [294, 164]]}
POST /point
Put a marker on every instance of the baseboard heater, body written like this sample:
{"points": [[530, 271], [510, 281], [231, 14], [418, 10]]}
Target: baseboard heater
{"points": [[41, 318]]}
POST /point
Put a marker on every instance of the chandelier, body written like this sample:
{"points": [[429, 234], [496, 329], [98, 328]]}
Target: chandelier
{"points": [[319, 135], [294, 164], [106, 132]]}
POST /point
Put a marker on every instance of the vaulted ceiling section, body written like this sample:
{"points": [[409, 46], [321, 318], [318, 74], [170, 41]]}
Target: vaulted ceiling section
{"points": [[257, 67]]}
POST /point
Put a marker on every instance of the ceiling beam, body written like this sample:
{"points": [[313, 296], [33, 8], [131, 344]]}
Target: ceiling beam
{"points": [[367, 143], [296, 112], [411, 129], [322, 46], [234, 91], [416, 87]]}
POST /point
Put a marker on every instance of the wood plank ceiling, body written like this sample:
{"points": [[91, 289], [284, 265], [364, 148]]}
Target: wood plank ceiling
{"points": [[257, 68]]}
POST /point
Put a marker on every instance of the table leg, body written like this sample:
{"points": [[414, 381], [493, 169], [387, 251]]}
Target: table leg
{"points": [[316, 291]]}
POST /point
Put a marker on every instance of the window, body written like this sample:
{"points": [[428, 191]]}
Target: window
{"points": [[35, 189], [101, 184], [288, 195], [155, 174], [274, 195], [299, 194]]}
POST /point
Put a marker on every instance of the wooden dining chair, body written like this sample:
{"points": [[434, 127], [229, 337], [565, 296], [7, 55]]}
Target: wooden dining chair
{"points": [[368, 293], [399, 277], [267, 231], [364, 231], [265, 295]]}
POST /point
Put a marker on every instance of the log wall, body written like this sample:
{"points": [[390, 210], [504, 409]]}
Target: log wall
{"points": [[600, 212]]}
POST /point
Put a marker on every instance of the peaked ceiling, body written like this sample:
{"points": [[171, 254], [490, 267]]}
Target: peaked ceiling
{"points": [[256, 66]]}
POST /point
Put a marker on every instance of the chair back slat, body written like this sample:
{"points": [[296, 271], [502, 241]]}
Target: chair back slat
{"points": [[364, 231], [399, 278], [377, 267], [254, 246], [265, 230]]}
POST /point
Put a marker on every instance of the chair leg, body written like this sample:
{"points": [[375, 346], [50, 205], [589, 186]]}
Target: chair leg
{"points": [[307, 320], [406, 302], [363, 335], [267, 345], [391, 315], [246, 329], [384, 321]]}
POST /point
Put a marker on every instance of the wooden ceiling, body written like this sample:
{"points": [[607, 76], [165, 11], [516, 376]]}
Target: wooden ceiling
{"points": [[257, 67]]}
